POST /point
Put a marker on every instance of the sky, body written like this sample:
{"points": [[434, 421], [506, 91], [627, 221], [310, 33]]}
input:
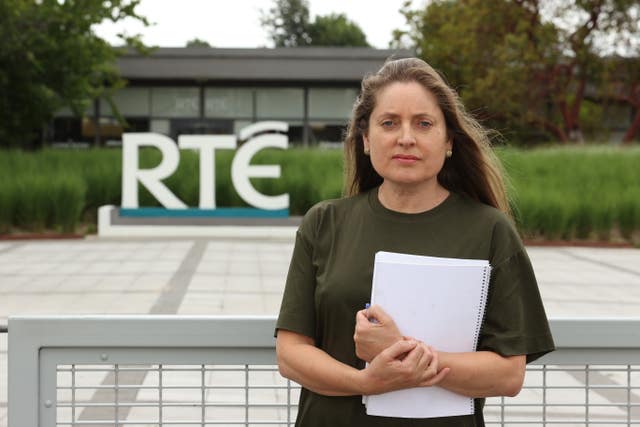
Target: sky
{"points": [[236, 23]]}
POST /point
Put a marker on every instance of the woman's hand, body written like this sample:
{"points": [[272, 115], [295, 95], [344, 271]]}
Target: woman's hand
{"points": [[405, 364], [375, 331]]}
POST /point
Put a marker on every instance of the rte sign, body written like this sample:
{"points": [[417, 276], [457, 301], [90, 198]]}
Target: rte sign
{"points": [[257, 136]]}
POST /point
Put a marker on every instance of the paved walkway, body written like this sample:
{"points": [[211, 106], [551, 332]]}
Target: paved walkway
{"points": [[247, 277]]}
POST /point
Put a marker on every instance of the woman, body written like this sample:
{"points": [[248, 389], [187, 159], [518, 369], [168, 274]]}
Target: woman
{"points": [[421, 180]]}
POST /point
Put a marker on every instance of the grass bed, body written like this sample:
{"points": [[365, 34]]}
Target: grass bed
{"points": [[557, 193]]}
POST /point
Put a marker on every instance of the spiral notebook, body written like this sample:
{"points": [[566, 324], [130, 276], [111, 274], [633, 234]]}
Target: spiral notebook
{"points": [[440, 301]]}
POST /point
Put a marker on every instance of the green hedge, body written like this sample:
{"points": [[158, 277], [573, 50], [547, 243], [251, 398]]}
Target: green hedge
{"points": [[557, 193]]}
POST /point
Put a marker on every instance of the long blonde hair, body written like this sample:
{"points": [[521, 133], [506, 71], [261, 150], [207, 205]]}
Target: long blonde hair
{"points": [[472, 170]]}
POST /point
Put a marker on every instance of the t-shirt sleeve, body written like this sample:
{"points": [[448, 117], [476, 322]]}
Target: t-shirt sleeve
{"points": [[297, 311], [515, 321]]}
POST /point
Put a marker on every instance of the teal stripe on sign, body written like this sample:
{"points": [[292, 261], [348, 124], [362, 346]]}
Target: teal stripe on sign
{"points": [[208, 213]]}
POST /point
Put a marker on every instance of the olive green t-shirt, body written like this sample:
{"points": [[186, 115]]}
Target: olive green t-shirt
{"points": [[330, 274]]}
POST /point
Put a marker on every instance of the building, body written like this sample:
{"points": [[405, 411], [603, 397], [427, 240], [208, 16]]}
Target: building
{"points": [[176, 91]]}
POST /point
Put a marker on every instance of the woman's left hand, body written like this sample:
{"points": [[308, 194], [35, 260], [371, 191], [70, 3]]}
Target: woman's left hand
{"points": [[405, 364], [375, 331]]}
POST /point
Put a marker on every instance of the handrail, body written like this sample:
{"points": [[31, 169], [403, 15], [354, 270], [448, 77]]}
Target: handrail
{"points": [[36, 331]]}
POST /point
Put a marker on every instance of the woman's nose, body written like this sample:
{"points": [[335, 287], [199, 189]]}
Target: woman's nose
{"points": [[406, 136]]}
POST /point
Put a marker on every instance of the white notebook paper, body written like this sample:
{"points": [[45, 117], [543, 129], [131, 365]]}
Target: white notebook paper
{"points": [[440, 301]]}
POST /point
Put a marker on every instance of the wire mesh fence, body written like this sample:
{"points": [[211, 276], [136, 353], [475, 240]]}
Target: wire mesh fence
{"points": [[168, 395], [572, 395], [252, 395]]}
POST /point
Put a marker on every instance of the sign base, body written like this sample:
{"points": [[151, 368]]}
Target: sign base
{"points": [[160, 222]]}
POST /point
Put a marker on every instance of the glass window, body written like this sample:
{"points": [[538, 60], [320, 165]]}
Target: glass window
{"points": [[175, 102], [294, 133], [279, 103], [160, 126], [323, 133], [228, 102], [131, 101], [331, 103], [67, 129], [200, 127], [110, 128], [238, 125], [67, 112]]}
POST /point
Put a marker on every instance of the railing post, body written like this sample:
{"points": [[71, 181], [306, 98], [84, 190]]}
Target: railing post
{"points": [[23, 375]]}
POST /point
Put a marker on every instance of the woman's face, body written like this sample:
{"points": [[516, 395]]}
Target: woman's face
{"points": [[407, 136]]}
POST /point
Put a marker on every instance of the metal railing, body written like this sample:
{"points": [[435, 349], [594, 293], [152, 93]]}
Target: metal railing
{"points": [[205, 371]]}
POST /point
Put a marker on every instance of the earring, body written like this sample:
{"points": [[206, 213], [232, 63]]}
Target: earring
{"points": [[449, 153], [366, 151]]}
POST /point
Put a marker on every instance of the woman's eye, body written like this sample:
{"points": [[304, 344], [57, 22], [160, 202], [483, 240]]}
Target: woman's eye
{"points": [[387, 123], [425, 123]]}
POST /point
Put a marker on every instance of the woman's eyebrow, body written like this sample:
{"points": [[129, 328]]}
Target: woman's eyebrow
{"points": [[392, 114], [387, 114]]}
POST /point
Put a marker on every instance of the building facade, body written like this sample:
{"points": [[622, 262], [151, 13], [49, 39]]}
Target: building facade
{"points": [[176, 91]]}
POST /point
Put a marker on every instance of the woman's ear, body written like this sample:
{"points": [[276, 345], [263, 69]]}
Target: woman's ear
{"points": [[365, 142]]}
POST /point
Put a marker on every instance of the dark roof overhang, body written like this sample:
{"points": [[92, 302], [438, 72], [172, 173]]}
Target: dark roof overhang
{"points": [[309, 64]]}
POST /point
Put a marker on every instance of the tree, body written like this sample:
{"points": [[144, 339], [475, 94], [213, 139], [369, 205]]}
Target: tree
{"points": [[336, 30], [196, 42], [521, 62], [485, 50], [584, 63], [289, 25], [50, 58]]}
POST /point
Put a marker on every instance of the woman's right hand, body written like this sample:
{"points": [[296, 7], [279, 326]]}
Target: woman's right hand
{"points": [[405, 364], [375, 330]]}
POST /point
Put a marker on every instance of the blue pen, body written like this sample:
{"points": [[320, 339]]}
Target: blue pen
{"points": [[372, 320]]}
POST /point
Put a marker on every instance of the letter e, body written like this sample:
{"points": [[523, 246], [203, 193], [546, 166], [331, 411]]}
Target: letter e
{"points": [[242, 170]]}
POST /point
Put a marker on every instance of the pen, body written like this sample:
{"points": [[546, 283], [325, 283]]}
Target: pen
{"points": [[372, 320]]}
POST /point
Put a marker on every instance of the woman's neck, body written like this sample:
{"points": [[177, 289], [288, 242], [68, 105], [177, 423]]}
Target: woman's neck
{"points": [[411, 199]]}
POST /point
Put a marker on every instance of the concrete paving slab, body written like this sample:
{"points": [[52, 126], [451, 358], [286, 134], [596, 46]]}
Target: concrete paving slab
{"points": [[588, 282]]}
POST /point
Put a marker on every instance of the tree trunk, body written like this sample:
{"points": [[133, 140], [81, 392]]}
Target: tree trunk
{"points": [[97, 140], [572, 117], [553, 129], [560, 133]]}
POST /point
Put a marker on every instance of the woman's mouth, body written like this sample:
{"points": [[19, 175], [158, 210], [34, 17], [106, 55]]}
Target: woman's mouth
{"points": [[405, 158]]}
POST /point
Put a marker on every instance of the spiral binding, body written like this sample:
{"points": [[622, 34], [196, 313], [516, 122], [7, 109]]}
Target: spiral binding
{"points": [[482, 310], [483, 304]]}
